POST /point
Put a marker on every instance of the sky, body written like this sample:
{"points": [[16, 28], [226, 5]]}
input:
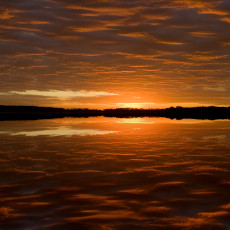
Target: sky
{"points": [[115, 53]]}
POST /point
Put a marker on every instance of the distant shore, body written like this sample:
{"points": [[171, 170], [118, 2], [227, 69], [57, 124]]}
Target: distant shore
{"points": [[35, 112]]}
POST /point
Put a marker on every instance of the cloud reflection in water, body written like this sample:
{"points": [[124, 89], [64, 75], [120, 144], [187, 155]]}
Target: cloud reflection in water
{"points": [[172, 175], [64, 132]]}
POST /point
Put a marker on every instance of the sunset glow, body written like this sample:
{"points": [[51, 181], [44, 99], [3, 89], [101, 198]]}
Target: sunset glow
{"points": [[135, 105], [101, 54], [115, 114]]}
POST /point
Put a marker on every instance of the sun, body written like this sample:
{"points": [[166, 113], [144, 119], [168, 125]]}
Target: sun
{"points": [[133, 105]]}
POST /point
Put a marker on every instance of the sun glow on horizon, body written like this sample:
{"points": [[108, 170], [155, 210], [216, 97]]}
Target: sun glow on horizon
{"points": [[136, 105]]}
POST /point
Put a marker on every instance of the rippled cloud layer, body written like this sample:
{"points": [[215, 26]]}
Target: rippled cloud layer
{"points": [[160, 51]]}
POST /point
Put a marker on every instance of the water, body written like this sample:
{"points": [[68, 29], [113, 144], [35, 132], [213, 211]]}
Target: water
{"points": [[110, 173]]}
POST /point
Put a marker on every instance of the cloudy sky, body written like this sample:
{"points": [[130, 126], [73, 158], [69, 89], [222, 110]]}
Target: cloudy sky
{"points": [[115, 53]]}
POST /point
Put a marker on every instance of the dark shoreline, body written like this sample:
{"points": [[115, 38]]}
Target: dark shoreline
{"points": [[35, 113]]}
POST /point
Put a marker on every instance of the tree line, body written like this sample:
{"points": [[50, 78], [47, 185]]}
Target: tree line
{"points": [[35, 112]]}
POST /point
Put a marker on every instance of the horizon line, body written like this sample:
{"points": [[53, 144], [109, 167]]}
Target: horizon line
{"points": [[82, 108]]}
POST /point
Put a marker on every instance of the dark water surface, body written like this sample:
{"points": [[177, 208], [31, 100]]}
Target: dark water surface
{"points": [[110, 173]]}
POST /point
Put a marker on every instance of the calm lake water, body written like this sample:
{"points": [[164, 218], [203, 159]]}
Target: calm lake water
{"points": [[109, 173]]}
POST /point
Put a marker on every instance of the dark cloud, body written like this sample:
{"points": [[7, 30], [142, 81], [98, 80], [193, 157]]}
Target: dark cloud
{"points": [[90, 44]]}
